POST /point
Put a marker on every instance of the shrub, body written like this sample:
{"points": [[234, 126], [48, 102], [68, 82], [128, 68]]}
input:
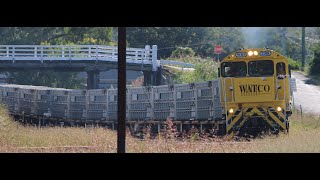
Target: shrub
{"points": [[315, 64], [182, 52], [295, 65], [205, 70]]}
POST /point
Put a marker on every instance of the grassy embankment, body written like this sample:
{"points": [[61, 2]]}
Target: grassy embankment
{"points": [[304, 137]]}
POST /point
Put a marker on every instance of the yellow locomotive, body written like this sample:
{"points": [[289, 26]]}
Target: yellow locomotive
{"points": [[256, 92]]}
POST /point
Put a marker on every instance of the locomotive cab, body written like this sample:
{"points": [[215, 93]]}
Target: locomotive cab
{"points": [[255, 91]]}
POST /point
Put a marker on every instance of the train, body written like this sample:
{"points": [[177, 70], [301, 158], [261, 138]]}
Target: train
{"points": [[253, 91], [185, 104], [256, 91]]}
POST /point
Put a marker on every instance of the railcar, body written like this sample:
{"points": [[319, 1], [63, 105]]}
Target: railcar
{"points": [[256, 91]]}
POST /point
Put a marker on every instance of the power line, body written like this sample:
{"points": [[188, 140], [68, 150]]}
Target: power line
{"points": [[173, 47]]}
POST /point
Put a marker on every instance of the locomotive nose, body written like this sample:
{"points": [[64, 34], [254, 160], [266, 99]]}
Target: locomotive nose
{"points": [[253, 89]]}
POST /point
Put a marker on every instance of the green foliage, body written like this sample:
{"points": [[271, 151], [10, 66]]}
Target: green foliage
{"points": [[182, 52], [295, 65], [48, 78], [166, 38], [84, 36], [54, 36], [205, 70], [315, 64], [201, 39], [230, 38]]}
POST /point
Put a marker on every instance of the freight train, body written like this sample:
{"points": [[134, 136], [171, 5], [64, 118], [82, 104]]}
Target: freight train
{"points": [[254, 91]]}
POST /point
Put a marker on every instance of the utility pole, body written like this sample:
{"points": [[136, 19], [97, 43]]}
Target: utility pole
{"points": [[303, 47], [283, 42], [121, 129]]}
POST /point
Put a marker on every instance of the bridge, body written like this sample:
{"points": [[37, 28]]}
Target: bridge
{"points": [[86, 58]]}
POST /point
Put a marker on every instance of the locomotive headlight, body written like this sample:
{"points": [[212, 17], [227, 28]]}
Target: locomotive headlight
{"points": [[250, 53], [231, 111], [279, 109], [255, 53]]}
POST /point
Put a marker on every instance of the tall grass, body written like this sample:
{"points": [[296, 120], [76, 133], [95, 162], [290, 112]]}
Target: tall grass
{"points": [[303, 137]]}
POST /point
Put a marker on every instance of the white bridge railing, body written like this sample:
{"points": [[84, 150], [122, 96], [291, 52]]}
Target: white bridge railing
{"points": [[43, 53]]}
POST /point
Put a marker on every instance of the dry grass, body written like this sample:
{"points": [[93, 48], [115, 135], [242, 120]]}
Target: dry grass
{"points": [[18, 138], [304, 137]]}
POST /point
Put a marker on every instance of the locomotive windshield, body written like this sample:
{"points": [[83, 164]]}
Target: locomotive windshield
{"points": [[261, 68], [234, 69]]}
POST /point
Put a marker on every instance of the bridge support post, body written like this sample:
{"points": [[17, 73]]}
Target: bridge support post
{"points": [[152, 78], [156, 68], [147, 78], [93, 80], [157, 77]]}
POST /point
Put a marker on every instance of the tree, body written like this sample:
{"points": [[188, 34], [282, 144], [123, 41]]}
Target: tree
{"points": [[49, 78], [230, 38], [53, 36], [286, 40], [201, 39], [182, 52], [315, 64], [166, 38]]}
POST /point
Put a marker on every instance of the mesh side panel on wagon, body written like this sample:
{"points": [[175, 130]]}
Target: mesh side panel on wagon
{"points": [[43, 102], [27, 99], [139, 93], [97, 104], [163, 99], [10, 98], [59, 108], [112, 109], [77, 106], [139, 105], [139, 114], [204, 100], [185, 102], [186, 113], [204, 94]]}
